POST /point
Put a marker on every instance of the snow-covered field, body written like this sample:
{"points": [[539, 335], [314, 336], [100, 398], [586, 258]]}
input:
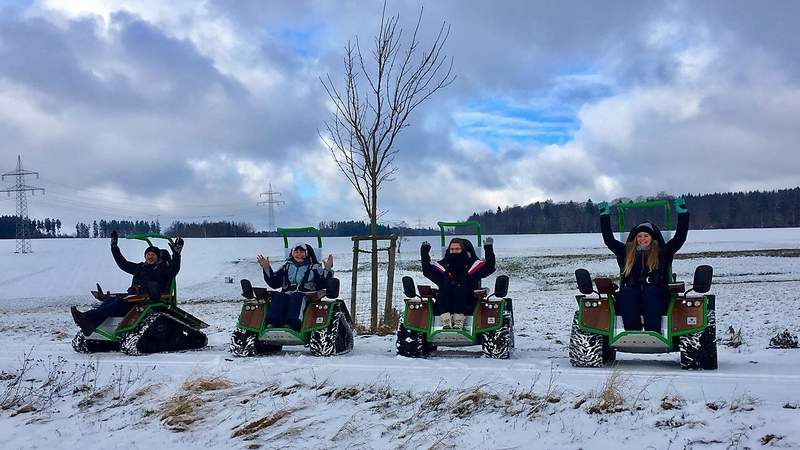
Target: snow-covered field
{"points": [[372, 398]]}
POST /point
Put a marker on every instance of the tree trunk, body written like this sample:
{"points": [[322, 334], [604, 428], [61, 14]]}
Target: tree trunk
{"points": [[373, 227]]}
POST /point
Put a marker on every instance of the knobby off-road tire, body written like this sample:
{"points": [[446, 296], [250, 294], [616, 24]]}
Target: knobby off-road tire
{"points": [[160, 332], [699, 350], [498, 344], [411, 343], [245, 343], [336, 339], [588, 349]]}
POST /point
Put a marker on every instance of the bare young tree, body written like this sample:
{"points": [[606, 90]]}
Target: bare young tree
{"points": [[380, 91]]}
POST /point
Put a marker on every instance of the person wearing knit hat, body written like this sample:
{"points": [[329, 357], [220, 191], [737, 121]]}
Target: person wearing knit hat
{"points": [[152, 277], [644, 260], [301, 272]]}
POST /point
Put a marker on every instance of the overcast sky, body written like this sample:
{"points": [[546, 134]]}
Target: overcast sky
{"points": [[188, 109]]}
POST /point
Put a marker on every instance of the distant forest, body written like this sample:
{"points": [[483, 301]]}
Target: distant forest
{"points": [[36, 228], [755, 209], [771, 209]]}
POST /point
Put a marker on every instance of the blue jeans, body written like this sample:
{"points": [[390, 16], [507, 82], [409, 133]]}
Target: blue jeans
{"points": [[112, 307], [632, 303], [284, 309]]}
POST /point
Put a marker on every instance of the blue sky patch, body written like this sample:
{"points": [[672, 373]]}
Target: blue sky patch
{"points": [[549, 118]]}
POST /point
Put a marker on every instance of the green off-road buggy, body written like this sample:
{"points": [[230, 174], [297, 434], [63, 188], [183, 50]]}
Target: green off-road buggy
{"points": [[326, 326], [152, 326], [491, 325], [689, 326]]}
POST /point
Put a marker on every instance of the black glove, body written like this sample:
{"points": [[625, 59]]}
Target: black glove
{"points": [[177, 246], [425, 250], [114, 238]]}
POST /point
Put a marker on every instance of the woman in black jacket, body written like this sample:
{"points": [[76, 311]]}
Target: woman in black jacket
{"points": [[457, 275], [645, 263]]}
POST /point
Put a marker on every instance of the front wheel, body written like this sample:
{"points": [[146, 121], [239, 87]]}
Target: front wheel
{"points": [[411, 344], [336, 339], [699, 350], [588, 349], [243, 343], [498, 344]]}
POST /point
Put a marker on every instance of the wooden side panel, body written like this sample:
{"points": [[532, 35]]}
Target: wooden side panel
{"points": [[316, 314], [131, 317], [488, 314], [597, 317], [685, 317], [253, 314], [418, 314]]}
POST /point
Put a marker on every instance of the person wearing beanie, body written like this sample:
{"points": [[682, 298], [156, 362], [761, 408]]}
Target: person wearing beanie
{"points": [[151, 277], [301, 272], [644, 261], [457, 275]]}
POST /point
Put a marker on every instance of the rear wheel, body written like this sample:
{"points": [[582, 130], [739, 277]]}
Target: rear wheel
{"points": [[588, 349]]}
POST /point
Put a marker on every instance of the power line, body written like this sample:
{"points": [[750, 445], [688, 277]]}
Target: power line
{"points": [[21, 189], [271, 202]]}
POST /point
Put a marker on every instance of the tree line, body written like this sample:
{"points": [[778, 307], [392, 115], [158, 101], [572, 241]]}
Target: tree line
{"points": [[752, 209], [36, 228], [102, 228]]}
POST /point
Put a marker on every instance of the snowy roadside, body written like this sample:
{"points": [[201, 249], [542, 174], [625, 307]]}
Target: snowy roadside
{"points": [[371, 398]]}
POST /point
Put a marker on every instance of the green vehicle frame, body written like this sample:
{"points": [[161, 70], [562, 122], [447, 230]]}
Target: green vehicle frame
{"points": [[490, 325], [113, 332], [688, 326], [326, 325]]}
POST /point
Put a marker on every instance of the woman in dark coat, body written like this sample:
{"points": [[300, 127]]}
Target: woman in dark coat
{"points": [[645, 263], [457, 275]]}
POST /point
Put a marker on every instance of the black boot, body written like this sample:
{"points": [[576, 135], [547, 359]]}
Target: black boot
{"points": [[81, 321]]}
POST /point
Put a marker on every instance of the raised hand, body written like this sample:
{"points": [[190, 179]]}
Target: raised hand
{"points": [[680, 205], [425, 248], [327, 263], [114, 238], [603, 207], [263, 261], [488, 241], [177, 246]]}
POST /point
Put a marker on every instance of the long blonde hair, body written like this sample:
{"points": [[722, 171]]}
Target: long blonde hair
{"points": [[630, 256]]}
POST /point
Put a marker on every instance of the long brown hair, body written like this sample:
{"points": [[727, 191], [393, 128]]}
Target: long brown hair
{"points": [[630, 256]]}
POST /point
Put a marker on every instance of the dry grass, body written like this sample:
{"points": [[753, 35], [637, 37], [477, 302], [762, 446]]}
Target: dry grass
{"points": [[184, 409], [249, 430], [611, 398], [203, 384]]}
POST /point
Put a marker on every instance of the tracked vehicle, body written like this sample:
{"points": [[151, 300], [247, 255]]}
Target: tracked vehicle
{"points": [[156, 324]]}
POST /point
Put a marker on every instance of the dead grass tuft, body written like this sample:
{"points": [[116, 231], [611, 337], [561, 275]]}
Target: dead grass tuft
{"points": [[181, 411], [249, 430], [203, 384], [611, 398]]}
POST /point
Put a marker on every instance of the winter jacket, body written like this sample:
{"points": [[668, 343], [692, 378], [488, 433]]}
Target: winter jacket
{"points": [[306, 276], [161, 272], [450, 274], [640, 276]]}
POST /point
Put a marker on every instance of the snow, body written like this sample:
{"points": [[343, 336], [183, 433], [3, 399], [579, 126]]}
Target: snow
{"points": [[371, 398]]}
